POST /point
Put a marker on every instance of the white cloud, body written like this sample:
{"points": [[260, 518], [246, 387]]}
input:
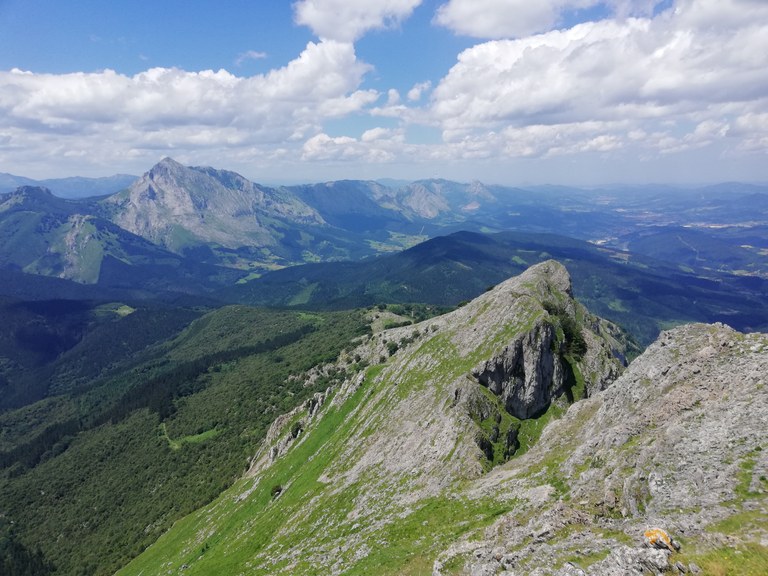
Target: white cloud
{"points": [[346, 20], [380, 134], [249, 55], [497, 18], [669, 83], [377, 145], [683, 83], [414, 94], [517, 18], [393, 97], [164, 109]]}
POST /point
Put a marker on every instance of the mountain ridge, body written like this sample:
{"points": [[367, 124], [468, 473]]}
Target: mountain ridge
{"points": [[72, 187], [377, 476], [220, 217], [397, 440], [69, 239]]}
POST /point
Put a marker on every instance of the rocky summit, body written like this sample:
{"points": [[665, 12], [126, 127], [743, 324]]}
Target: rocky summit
{"points": [[677, 444], [503, 438], [177, 206]]}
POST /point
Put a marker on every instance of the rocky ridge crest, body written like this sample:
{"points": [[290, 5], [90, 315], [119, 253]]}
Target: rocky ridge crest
{"points": [[678, 442], [172, 204], [413, 431]]}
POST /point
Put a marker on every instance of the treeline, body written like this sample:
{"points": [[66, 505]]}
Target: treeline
{"points": [[158, 394]]}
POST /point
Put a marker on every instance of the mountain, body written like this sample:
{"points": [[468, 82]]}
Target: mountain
{"points": [[641, 294], [502, 437], [367, 205], [733, 248], [149, 413], [445, 200], [47, 346], [353, 205], [195, 210], [50, 236], [674, 448], [71, 187], [9, 182], [219, 217]]}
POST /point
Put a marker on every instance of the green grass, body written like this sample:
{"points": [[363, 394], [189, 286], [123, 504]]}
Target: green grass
{"points": [[303, 296], [744, 479], [260, 515], [745, 555], [312, 509], [745, 559], [531, 428], [191, 439], [165, 455]]}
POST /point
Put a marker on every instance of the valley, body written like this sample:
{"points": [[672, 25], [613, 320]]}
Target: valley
{"points": [[200, 374]]}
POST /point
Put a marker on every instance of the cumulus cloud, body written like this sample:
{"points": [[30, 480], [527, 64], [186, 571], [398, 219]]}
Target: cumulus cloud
{"points": [[249, 55], [377, 145], [414, 94], [675, 78], [168, 108], [643, 82], [516, 18], [347, 21]]}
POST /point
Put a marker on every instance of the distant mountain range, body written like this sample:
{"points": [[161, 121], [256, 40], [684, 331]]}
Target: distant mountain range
{"points": [[640, 293], [72, 187], [203, 231], [402, 405], [49, 236]]}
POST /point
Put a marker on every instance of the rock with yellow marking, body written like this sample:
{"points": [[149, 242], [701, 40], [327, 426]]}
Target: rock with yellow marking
{"points": [[658, 538]]}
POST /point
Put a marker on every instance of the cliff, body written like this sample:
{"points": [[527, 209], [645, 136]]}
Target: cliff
{"points": [[501, 439], [395, 443], [677, 443]]}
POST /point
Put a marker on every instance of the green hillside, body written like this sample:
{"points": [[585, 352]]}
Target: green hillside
{"points": [[375, 481], [93, 473], [642, 294]]}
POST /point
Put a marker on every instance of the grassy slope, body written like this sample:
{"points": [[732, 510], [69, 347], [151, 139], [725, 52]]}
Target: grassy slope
{"points": [[317, 513], [135, 464], [231, 534]]}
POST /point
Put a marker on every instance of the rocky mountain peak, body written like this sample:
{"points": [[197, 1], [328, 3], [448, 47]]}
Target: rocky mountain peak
{"points": [[35, 198], [34, 191], [181, 207], [31, 194], [165, 167], [436, 409], [675, 446], [434, 458]]}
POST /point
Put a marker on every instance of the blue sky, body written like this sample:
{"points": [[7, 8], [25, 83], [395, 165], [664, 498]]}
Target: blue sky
{"points": [[580, 92]]}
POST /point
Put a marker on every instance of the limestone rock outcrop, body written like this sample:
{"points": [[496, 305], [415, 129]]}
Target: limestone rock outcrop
{"points": [[418, 462], [678, 441]]}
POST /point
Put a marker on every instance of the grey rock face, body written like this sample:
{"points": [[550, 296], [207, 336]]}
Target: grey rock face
{"points": [[173, 204], [677, 442], [528, 373], [389, 459], [415, 432]]}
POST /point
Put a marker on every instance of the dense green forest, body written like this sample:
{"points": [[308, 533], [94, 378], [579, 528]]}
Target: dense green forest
{"points": [[116, 452]]}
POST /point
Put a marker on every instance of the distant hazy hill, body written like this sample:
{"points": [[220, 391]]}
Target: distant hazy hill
{"points": [[173, 205], [172, 225], [220, 217], [640, 293], [71, 187]]}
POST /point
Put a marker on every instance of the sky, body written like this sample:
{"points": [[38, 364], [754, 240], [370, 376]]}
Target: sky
{"points": [[580, 92]]}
